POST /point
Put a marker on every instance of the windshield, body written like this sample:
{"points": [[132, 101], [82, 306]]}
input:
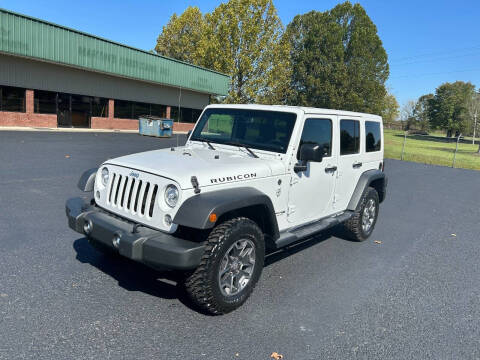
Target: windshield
{"points": [[258, 129]]}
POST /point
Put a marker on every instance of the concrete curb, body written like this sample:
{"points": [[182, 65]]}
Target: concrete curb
{"points": [[73, 130]]}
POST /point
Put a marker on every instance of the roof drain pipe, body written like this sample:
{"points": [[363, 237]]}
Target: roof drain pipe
{"points": [[194, 182]]}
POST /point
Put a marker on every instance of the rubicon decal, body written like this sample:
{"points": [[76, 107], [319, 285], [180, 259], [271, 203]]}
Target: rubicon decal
{"points": [[233, 178]]}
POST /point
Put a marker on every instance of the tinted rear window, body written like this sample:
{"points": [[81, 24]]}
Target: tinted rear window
{"points": [[349, 137], [373, 135]]}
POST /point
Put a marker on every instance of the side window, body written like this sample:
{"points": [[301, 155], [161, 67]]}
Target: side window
{"points": [[317, 131], [372, 136], [349, 137]]}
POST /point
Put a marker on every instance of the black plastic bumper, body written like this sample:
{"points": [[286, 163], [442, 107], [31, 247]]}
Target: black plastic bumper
{"points": [[150, 247]]}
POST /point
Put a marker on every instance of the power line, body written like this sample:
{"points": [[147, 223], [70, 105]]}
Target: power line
{"points": [[437, 59], [436, 53], [433, 74]]}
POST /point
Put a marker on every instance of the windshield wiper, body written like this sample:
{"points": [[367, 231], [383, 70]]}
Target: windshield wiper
{"points": [[242, 146], [205, 141]]}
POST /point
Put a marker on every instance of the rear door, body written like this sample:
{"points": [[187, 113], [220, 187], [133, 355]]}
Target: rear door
{"points": [[350, 165], [311, 191]]}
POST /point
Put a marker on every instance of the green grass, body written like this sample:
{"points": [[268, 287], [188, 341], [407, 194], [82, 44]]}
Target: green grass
{"points": [[432, 149]]}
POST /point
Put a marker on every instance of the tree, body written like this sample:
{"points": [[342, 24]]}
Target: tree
{"points": [[422, 112], [448, 107], [244, 40], [182, 35], [241, 38], [473, 109], [390, 111], [338, 60], [407, 114]]}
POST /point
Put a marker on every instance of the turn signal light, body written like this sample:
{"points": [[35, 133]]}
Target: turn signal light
{"points": [[212, 217]]}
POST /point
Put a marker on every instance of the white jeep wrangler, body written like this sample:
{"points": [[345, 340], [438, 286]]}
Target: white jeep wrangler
{"points": [[249, 178]]}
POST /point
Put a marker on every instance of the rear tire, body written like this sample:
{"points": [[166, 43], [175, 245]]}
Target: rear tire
{"points": [[230, 267], [360, 226]]}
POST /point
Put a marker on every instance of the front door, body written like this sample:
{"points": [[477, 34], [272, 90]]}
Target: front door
{"points": [[311, 191], [74, 110], [64, 113], [81, 109]]}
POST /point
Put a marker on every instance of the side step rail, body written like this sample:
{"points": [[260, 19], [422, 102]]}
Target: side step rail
{"points": [[302, 232]]}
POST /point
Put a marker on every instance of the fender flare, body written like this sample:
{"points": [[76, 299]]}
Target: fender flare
{"points": [[87, 180], [362, 185], [196, 210]]}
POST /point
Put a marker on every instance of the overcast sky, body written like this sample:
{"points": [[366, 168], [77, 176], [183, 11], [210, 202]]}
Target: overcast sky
{"points": [[428, 42]]}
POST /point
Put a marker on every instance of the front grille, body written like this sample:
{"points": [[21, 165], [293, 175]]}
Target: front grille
{"points": [[132, 195]]}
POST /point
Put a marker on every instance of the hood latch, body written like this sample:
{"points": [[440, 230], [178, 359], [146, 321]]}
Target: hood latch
{"points": [[194, 182]]}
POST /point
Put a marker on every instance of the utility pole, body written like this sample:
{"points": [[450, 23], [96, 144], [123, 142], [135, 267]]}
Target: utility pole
{"points": [[403, 147], [474, 126], [456, 149]]}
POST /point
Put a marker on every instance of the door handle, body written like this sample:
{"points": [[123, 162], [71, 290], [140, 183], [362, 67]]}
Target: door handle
{"points": [[330, 169], [356, 165]]}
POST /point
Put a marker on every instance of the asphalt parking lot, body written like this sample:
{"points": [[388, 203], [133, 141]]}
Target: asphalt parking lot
{"points": [[414, 295]]}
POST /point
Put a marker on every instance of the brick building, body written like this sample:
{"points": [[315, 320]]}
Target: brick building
{"points": [[53, 76]]}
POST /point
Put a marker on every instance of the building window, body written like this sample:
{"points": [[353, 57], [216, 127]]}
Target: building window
{"points": [[133, 110], [158, 110], [12, 99], [44, 102], [186, 115], [123, 109], [372, 136], [140, 109], [349, 137], [99, 107], [317, 131]]}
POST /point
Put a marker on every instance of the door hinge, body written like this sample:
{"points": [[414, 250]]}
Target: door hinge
{"points": [[291, 209], [335, 199]]}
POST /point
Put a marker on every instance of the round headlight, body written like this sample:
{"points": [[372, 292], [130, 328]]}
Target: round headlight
{"points": [[171, 195], [105, 176]]}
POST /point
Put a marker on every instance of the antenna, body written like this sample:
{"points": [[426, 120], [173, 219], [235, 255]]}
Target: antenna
{"points": [[178, 115]]}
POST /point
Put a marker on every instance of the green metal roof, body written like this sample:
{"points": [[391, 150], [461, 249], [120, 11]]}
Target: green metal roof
{"points": [[38, 39]]}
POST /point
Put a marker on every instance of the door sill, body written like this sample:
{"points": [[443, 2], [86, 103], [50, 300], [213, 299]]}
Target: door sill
{"points": [[303, 231]]}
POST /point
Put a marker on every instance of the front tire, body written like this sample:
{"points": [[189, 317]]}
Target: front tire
{"points": [[360, 226], [230, 267]]}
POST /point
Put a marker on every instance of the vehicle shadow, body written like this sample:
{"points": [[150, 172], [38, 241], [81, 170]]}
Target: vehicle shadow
{"points": [[133, 276], [277, 255]]}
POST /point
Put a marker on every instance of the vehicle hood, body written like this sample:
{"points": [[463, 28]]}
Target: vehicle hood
{"points": [[211, 167]]}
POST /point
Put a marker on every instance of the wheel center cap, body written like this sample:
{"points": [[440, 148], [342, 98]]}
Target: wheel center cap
{"points": [[236, 265]]}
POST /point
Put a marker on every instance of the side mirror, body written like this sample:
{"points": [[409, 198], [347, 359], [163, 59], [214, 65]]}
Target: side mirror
{"points": [[308, 152], [311, 152]]}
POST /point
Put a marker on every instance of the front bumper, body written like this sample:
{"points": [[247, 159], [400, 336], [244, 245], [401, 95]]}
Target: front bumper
{"points": [[150, 247]]}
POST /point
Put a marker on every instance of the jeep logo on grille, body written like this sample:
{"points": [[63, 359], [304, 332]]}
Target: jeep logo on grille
{"points": [[134, 174]]}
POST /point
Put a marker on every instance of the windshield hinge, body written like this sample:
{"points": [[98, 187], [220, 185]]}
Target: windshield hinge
{"points": [[291, 209], [194, 182]]}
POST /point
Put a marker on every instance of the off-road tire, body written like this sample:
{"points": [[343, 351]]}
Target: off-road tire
{"points": [[353, 225], [202, 286]]}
